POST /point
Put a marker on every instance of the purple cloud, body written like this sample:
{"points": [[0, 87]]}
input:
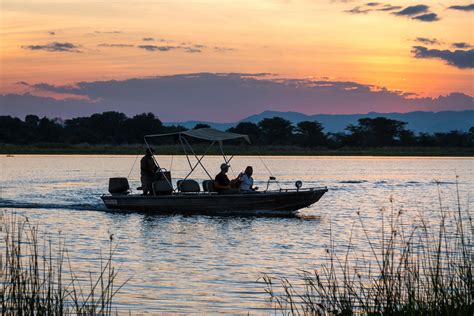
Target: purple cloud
{"points": [[115, 45], [428, 17], [154, 48], [467, 8], [428, 41], [413, 10], [243, 94], [461, 45], [55, 47], [462, 59]]}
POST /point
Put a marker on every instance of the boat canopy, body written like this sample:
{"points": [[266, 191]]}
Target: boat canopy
{"points": [[209, 134]]}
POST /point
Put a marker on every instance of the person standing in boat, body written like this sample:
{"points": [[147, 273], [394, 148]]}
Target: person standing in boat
{"points": [[148, 168], [246, 180]]}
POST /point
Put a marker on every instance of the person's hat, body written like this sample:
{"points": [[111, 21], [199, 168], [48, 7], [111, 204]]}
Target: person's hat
{"points": [[224, 166]]}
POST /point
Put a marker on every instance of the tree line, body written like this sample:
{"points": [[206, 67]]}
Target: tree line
{"points": [[117, 128]]}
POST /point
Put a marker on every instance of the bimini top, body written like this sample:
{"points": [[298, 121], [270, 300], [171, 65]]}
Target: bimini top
{"points": [[209, 134]]}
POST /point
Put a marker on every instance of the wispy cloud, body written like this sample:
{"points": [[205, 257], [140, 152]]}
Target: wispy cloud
{"points": [[115, 45], [108, 32], [388, 7], [148, 39], [413, 10], [358, 10], [462, 59], [469, 7], [55, 47], [223, 49], [52, 33], [461, 45], [155, 48], [428, 41], [418, 12], [428, 17]]}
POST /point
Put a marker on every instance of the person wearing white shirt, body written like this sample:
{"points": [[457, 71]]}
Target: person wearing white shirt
{"points": [[246, 179]]}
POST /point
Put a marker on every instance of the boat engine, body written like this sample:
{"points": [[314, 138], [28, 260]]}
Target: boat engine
{"points": [[118, 186]]}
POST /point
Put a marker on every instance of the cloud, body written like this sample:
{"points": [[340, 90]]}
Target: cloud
{"points": [[169, 97], [148, 39], [413, 10], [223, 49], [463, 59], [469, 7], [108, 32], [154, 48], [389, 7], [52, 33], [461, 45], [428, 41], [358, 10], [428, 17], [55, 47], [115, 45], [418, 12], [192, 50]]}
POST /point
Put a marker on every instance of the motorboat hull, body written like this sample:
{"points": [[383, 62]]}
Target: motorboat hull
{"points": [[270, 203]]}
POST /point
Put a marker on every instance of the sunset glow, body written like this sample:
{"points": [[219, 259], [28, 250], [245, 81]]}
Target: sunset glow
{"points": [[370, 43]]}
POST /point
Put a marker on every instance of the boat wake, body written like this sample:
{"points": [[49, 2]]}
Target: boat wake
{"points": [[9, 204]]}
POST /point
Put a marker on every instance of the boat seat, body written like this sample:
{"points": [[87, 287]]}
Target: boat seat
{"points": [[188, 186], [208, 186], [162, 187]]}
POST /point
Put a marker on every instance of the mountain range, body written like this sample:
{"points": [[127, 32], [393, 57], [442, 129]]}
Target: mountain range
{"points": [[427, 122]]}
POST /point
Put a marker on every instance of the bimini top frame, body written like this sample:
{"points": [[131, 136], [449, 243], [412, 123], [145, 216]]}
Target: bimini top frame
{"points": [[209, 134]]}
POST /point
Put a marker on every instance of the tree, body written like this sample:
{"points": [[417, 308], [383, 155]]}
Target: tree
{"points": [[375, 132], [201, 125], [310, 134], [247, 128], [141, 125], [276, 131]]}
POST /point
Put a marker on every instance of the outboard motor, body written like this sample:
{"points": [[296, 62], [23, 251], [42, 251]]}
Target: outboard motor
{"points": [[118, 186]]}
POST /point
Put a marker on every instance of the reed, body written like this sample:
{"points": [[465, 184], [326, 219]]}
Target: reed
{"points": [[36, 277], [420, 269]]}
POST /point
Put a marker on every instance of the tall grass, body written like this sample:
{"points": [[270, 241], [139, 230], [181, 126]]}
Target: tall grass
{"points": [[36, 277], [425, 269]]}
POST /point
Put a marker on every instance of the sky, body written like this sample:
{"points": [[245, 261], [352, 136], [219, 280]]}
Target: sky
{"points": [[410, 49]]}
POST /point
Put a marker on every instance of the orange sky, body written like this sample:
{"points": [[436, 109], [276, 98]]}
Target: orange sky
{"points": [[293, 39]]}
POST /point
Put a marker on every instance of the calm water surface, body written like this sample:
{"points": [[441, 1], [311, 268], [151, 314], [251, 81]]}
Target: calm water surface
{"points": [[201, 264]]}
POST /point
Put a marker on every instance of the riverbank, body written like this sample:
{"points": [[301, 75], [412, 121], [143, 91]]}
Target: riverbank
{"points": [[134, 149]]}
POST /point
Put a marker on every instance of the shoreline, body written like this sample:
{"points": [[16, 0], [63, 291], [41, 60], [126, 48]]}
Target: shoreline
{"points": [[57, 149]]}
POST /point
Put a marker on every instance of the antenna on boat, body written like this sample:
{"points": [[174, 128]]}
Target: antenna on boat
{"points": [[271, 177]]}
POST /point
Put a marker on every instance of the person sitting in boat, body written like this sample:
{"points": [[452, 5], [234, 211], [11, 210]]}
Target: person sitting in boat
{"points": [[246, 180], [222, 184], [148, 168]]}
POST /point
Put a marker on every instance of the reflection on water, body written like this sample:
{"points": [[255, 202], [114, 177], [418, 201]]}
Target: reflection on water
{"points": [[211, 264]]}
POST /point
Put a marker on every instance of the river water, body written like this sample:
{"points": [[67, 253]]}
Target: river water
{"points": [[202, 264]]}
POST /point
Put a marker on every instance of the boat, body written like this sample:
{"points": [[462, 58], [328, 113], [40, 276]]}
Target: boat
{"points": [[186, 197]]}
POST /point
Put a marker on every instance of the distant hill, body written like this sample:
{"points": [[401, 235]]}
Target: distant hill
{"points": [[428, 122]]}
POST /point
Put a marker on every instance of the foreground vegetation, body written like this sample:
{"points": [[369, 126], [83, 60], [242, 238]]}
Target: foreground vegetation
{"points": [[424, 270], [36, 277]]}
